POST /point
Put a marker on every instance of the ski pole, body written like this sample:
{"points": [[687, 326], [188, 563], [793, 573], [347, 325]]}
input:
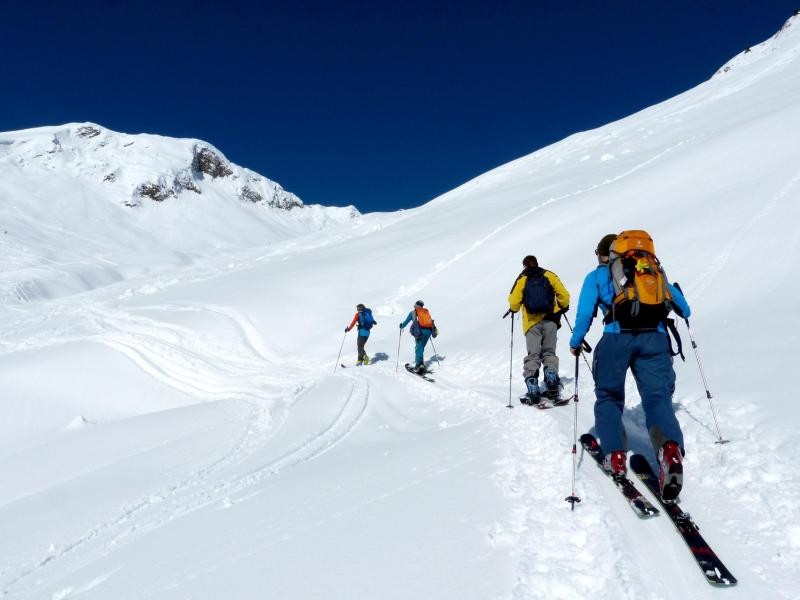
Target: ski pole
{"points": [[511, 359], [340, 351], [397, 364], [586, 347], [720, 439], [572, 499], [435, 354]]}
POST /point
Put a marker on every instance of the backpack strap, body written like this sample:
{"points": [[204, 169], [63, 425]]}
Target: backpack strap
{"points": [[672, 329]]}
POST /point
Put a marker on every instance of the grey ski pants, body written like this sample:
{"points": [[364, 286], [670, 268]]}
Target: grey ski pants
{"points": [[541, 344]]}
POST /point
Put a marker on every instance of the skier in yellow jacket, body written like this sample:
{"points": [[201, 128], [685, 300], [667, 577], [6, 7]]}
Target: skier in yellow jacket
{"points": [[543, 299]]}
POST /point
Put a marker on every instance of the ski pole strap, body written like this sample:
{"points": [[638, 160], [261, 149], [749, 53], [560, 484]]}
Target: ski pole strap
{"points": [[672, 329]]}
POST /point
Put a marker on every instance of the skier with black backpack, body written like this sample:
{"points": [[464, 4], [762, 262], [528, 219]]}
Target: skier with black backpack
{"points": [[543, 299], [365, 321]]}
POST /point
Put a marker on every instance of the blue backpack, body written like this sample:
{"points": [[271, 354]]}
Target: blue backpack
{"points": [[538, 296], [366, 320]]}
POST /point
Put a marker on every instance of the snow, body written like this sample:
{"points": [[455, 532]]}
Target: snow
{"points": [[173, 425]]}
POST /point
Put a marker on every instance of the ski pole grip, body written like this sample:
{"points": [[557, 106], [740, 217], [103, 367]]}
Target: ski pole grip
{"points": [[508, 312], [586, 347]]}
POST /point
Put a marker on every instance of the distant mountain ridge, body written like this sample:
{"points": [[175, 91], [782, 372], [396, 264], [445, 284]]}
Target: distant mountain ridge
{"points": [[82, 206], [137, 168]]}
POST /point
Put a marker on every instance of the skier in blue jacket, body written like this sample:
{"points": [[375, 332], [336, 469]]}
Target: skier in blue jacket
{"points": [[647, 354], [423, 328]]}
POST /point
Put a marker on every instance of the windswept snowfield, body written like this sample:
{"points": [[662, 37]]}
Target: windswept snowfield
{"points": [[171, 424]]}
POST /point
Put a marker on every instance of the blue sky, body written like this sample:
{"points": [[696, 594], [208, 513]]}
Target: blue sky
{"points": [[384, 105]]}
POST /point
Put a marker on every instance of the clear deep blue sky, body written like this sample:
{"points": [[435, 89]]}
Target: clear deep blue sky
{"points": [[384, 105]]}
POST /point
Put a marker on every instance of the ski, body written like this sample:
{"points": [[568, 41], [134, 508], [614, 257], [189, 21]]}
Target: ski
{"points": [[411, 370], [640, 505], [545, 402], [715, 572]]}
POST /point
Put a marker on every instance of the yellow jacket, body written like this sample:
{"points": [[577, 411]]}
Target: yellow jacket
{"points": [[531, 319]]}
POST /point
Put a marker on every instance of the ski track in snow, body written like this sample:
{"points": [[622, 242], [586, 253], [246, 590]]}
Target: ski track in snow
{"points": [[195, 490], [598, 550], [555, 558]]}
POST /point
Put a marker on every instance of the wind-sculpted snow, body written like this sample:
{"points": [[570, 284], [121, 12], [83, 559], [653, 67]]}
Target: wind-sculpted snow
{"points": [[172, 426]]}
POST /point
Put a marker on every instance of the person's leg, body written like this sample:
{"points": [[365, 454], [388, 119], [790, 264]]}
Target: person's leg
{"points": [[419, 349], [549, 357], [533, 344], [611, 357], [362, 340], [651, 365], [549, 338]]}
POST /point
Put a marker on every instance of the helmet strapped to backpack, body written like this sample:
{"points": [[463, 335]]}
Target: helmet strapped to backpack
{"points": [[642, 298]]}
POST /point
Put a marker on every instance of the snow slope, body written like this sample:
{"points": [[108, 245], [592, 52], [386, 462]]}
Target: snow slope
{"points": [[84, 206], [180, 432]]}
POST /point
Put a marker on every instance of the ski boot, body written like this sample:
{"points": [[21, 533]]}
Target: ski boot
{"points": [[616, 463], [420, 369], [366, 360], [670, 471], [551, 383], [534, 395]]}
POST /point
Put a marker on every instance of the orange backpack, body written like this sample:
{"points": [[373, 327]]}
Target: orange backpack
{"points": [[424, 317], [642, 298]]}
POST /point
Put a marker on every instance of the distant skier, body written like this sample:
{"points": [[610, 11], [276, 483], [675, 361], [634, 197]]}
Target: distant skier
{"points": [[422, 328], [543, 299], [365, 321], [631, 289]]}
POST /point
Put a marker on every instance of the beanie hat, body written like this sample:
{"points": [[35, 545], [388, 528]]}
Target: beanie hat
{"points": [[530, 262], [604, 245], [419, 303]]}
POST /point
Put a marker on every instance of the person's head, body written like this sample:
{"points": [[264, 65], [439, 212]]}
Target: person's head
{"points": [[360, 307], [603, 249], [530, 262], [419, 303]]}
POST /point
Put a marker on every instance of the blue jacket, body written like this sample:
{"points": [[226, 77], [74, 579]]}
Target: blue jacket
{"points": [[598, 290]]}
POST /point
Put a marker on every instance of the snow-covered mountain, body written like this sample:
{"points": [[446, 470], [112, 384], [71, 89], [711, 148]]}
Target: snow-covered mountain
{"points": [[180, 431], [79, 192]]}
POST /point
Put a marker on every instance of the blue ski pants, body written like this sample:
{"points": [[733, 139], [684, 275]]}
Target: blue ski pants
{"points": [[419, 348], [648, 356]]}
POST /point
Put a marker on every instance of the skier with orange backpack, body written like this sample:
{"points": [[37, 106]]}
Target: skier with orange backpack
{"points": [[630, 287], [423, 328]]}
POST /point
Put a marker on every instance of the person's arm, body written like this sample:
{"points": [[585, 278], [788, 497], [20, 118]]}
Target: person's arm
{"points": [[587, 305], [354, 321], [515, 297], [406, 322], [562, 295], [679, 301]]}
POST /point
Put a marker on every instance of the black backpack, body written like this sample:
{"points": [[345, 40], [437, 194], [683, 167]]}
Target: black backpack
{"points": [[539, 295]]}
